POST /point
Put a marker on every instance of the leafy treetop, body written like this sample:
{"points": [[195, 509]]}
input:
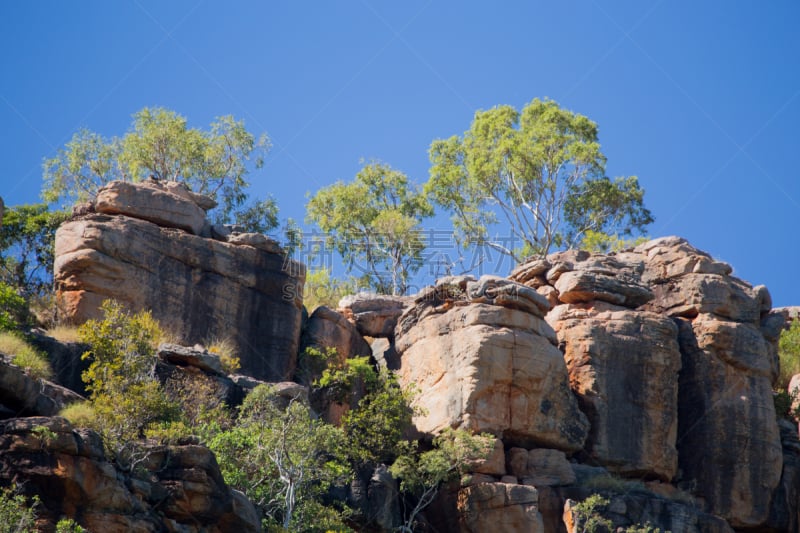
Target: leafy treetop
{"points": [[541, 170], [373, 222], [162, 145]]}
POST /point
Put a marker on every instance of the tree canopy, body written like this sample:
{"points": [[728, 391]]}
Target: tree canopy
{"points": [[374, 223], [160, 144], [540, 171], [27, 241]]}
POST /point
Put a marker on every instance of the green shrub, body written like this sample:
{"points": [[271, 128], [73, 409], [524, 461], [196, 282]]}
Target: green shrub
{"points": [[789, 353], [283, 460], [323, 289], [13, 309], [68, 525], [126, 398], [18, 515], [588, 517]]}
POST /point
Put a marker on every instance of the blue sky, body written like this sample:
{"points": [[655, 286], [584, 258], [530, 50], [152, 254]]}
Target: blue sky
{"points": [[701, 100]]}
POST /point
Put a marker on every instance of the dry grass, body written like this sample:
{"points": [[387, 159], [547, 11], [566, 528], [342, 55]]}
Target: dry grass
{"points": [[65, 333], [80, 414], [225, 349], [25, 356], [11, 344]]}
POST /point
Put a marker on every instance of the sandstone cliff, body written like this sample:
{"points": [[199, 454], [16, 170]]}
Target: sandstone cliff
{"points": [[644, 375], [149, 247]]}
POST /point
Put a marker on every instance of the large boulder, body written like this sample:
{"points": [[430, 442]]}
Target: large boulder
{"points": [[687, 281], [623, 366], [197, 288], [375, 315], [24, 395], [487, 367], [499, 507], [327, 328], [152, 202]]}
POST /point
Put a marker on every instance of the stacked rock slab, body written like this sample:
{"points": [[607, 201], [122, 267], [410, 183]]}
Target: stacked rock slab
{"points": [[728, 440], [623, 363], [198, 288], [664, 330], [483, 358]]}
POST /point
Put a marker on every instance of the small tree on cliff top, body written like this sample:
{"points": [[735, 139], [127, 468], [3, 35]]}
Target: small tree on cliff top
{"points": [[160, 144], [373, 222], [541, 170]]}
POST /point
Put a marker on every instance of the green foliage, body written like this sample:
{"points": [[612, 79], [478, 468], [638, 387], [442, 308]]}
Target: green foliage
{"points": [[18, 515], [25, 356], [422, 474], [373, 222], [283, 459], [542, 170], [787, 404], [68, 525], [588, 518], [598, 242], [13, 309], [343, 377], [588, 515], [789, 354], [376, 424], [312, 363], [126, 397], [27, 248], [323, 289], [161, 144]]}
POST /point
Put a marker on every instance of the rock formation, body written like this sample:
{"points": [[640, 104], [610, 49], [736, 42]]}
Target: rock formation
{"points": [[181, 488], [645, 375], [198, 288], [485, 360]]}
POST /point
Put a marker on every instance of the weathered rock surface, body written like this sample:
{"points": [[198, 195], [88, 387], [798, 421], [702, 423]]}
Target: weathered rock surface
{"points": [[256, 240], [623, 366], [153, 202], [499, 507], [23, 395], [373, 493], [183, 489], [186, 356], [784, 514], [625, 510], [326, 328], [487, 368], [374, 315], [197, 288], [728, 440]]}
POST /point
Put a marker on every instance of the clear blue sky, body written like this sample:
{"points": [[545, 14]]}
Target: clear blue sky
{"points": [[701, 100]]}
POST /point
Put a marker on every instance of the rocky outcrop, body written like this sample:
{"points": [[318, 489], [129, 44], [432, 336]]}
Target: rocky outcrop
{"points": [[153, 202], [24, 395], [181, 488], [483, 366], [623, 366], [638, 509], [326, 328], [499, 507], [375, 315], [197, 288]]}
